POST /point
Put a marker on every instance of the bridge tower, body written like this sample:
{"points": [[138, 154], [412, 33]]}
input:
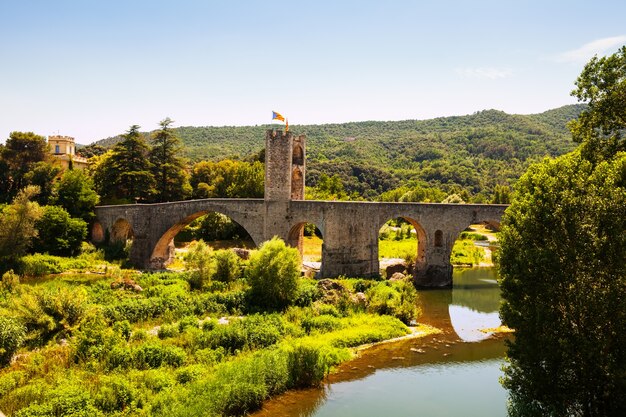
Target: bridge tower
{"points": [[285, 167]]}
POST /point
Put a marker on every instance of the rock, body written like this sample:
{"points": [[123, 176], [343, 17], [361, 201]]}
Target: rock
{"points": [[126, 284], [360, 299], [397, 276], [330, 285], [242, 253], [392, 269]]}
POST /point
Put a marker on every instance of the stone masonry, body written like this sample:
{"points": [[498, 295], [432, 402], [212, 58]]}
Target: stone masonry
{"points": [[349, 229]]}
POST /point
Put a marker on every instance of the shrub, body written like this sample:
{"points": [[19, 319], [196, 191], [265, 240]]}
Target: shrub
{"points": [[199, 260], [227, 266], [49, 313], [187, 321], [151, 355], [11, 338], [123, 328], [167, 330], [37, 265], [59, 234], [324, 323], [398, 299], [273, 274], [10, 281], [306, 368], [114, 394]]}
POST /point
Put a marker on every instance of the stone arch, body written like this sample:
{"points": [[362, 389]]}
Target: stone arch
{"points": [[97, 233], [422, 240], [162, 252], [297, 155], [295, 238], [121, 231]]}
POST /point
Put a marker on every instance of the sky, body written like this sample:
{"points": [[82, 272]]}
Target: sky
{"points": [[90, 69]]}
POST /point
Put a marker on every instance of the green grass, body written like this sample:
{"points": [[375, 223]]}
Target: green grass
{"points": [[405, 248]]}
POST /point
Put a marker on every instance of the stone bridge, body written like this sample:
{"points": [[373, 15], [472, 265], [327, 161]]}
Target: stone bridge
{"points": [[349, 229]]}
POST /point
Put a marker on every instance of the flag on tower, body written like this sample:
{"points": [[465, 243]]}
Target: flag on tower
{"points": [[277, 116]]}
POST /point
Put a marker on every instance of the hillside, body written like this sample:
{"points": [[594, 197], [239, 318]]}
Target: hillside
{"points": [[474, 152]]}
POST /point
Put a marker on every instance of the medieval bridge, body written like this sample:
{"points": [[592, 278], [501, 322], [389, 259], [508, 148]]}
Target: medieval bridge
{"points": [[349, 229]]}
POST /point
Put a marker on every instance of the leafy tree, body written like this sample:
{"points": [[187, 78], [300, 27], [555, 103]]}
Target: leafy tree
{"points": [[501, 194], [228, 179], [75, 193], [273, 274], [126, 173], [600, 128], [172, 182], [328, 188], [227, 265], [21, 152], [563, 281], [17, 229], [59, 234], [91, 150], [43, 174]]}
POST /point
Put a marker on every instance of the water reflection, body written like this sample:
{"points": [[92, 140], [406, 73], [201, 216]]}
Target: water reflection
{"points": [[421, 376]]}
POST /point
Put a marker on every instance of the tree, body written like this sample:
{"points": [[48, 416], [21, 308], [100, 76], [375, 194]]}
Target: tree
{"points": [[75, 193], [59, 234], [600, 128], [21, 152], [172, 182], [17, 226], [43, 174], [563, 281], [273, 274], [125, 174]]}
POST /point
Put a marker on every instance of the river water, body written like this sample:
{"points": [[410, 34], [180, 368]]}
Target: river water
{"points": [[455, 373]]}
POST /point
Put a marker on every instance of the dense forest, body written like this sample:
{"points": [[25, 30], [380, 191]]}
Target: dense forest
{"points": [[467, 155]]}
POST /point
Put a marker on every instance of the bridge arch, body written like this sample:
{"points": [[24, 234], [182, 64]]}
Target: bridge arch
{"points": [[163, 249], [97, 232], [422, 239], [121, 230]]}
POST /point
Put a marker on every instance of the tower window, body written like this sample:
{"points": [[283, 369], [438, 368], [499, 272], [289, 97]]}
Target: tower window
{"points": [[57, 149]]}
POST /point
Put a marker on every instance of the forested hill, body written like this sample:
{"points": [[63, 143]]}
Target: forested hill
{"points": [[475, 152]]}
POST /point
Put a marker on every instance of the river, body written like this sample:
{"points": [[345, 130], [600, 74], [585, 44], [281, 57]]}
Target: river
{"points": [[451, 374]]}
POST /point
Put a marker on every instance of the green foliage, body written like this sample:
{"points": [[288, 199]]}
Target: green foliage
{"points": [[273, 273], [10, 281], [600, 127], [398, 299], [172, 182], [199, 260], [464, 252], [228, 179], [75, 193], [18, 226], [49, 313], [214, 226], [59, 234], [18, 158], [125, 173], [227, 266], [38, 265], [12, 335], [563, 281]]}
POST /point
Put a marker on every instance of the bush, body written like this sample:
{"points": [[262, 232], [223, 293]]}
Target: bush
{"points": [[324, 323], [199, 260], [152, 355], [59, 234], [11, 338], [306, 368], [114, 394], [47, 314], [38, 265], [227, 266], [273, 274], [10, 281], [398, 299], [167, 330]]}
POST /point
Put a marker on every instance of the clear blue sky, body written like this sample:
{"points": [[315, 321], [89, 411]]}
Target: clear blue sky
{"points": [[90, 69]]}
